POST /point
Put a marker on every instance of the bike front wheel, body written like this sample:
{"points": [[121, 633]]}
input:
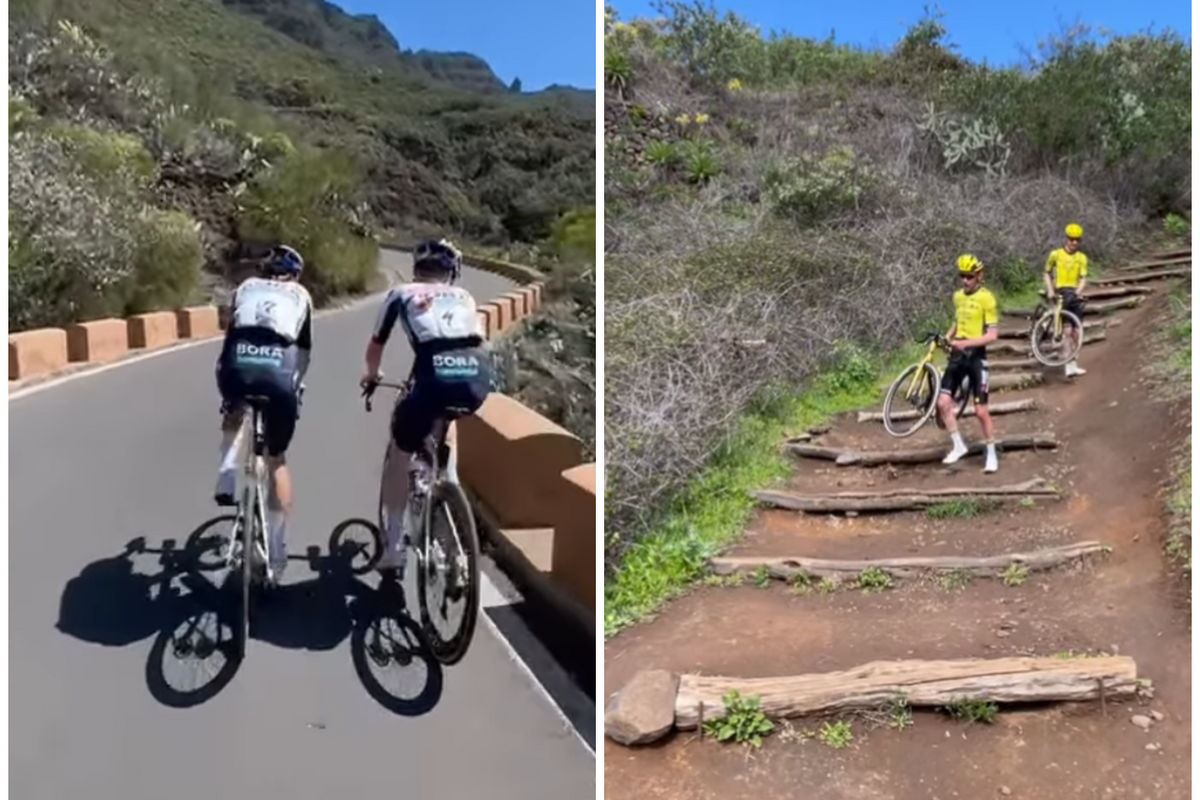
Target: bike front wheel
{"points": [[911, 398], [1055, 350], [449, 552]]}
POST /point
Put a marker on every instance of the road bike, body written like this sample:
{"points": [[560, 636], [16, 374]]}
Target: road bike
{"points": [[432, 497], [1047, 337], [247, 550], [918, 400]]}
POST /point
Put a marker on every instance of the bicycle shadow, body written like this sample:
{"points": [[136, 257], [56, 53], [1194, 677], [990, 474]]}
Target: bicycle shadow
{"points": [[191, 608]]}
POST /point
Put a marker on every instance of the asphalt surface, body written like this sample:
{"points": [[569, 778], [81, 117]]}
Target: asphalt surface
{"points": [[105, 699]]}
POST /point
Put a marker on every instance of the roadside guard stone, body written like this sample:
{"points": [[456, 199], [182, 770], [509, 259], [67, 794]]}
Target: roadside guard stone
{"points": [[643, 711]]}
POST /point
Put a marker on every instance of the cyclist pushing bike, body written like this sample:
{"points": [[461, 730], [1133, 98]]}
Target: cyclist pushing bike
{"points": [[1066, 274], [451, 368], [975, 327], [267, 348]]}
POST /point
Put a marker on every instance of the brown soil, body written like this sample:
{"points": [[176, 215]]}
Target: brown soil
{"points": [[1112, 465]]}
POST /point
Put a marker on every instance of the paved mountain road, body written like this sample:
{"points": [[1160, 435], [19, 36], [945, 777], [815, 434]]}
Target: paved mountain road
{"points": [[131, 452]]}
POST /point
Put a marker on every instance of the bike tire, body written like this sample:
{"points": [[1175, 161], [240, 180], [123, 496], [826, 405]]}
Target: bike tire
{"points": [[933, 380], [452, 496], [1046, 322]]}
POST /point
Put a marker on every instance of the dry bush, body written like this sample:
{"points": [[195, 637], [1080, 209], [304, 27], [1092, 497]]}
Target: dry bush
{"points": [[701, 272]]}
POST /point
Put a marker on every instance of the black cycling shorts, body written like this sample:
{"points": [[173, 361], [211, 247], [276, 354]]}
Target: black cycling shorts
{"points": [[458, 379], [259, 362], [971, 365], [1072, 303]]}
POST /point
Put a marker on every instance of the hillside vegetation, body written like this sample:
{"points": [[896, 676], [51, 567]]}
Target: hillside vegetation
{"points": [[157, 144], [813, 196]]}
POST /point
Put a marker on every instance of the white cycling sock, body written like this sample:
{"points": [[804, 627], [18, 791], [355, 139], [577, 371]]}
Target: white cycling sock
{"points": [[957, 439], [229, 449]]}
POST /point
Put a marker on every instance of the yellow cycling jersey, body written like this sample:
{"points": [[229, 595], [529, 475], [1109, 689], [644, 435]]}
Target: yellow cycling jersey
{"points": [[1067, 268], [974, 313]]}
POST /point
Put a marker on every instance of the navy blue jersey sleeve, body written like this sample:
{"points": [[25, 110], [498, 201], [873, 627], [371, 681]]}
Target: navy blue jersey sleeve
{"points": [[393, 306]]}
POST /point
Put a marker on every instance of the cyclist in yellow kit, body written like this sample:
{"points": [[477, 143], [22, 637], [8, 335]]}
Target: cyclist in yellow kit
{"points": [[976, 318], [1066, 273]]}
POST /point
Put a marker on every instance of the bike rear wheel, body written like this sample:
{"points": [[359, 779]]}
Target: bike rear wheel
{"points": [[1051, 350], [447, 550], [905, 402]]}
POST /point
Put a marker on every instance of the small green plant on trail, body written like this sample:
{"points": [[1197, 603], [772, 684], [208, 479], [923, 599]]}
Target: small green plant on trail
{"points": [[837, 735], [744, 722], [973, 710], [801, 582], [962, 508], [956, 579], [1014, 574], [874, 579], [827, 585], [762, 576], [899, 713]]}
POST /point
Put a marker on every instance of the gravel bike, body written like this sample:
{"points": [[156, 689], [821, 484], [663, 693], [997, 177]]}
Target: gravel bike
{"points": [[918, 400], [1047, 337], [431, 497]]}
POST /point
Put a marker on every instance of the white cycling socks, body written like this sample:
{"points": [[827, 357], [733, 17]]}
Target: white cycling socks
{"points": [[452, 465], [959, 450]]}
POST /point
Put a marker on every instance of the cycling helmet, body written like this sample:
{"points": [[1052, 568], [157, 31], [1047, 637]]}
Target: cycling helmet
{"points": [[285, 260], [1074, 231], [438, 256], [969, 264]]}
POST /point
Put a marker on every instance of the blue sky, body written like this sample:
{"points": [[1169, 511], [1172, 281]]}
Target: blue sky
{"points": [[991, 30], [539, 41]]}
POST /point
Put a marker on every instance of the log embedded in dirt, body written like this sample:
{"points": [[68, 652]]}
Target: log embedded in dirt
{"points": [[1115, 291], [1013, 380], [787, 568], [895, 499], [1013, 363], [1095, 309], [1159, 263], [1088, 310], [923, 455], [1166, 254], [1134, 277], [1088, 326], [1011, 407], [923, 684]]}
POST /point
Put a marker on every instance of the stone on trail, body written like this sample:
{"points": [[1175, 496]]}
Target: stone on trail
{"points": [[643, 711]]}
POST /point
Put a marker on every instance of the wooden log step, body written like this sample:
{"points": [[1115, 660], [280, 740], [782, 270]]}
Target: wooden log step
{"points": [[1134, 277], [1176, 253], [1114, 291], [897, 499], [923, 455], [787, 568], [1089, 325], [1011, 407], [922, 684], [1014, 380], [1096, 334], [1158, 263], [1090, 310], [997, 364]]}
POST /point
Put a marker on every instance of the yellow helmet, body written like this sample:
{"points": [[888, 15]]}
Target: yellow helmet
{"points": [[969, 264], [1074, 231]]}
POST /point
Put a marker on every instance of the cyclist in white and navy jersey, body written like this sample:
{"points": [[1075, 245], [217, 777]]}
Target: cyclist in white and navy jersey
{"points": [[451, 368], [267, 348]]}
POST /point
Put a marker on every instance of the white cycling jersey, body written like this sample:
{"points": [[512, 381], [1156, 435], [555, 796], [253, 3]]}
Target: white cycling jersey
{"points": [[284, 307], [429, 312]]}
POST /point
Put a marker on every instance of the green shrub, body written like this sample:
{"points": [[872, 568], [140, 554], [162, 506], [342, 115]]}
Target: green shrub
{"points": [[305, 200], [167, 264]]}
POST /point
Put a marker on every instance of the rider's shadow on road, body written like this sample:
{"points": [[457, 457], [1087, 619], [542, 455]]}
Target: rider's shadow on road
{"points": [[192, 605]]}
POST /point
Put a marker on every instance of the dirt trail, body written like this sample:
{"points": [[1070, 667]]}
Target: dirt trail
{"points": [[1114, 457]]}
